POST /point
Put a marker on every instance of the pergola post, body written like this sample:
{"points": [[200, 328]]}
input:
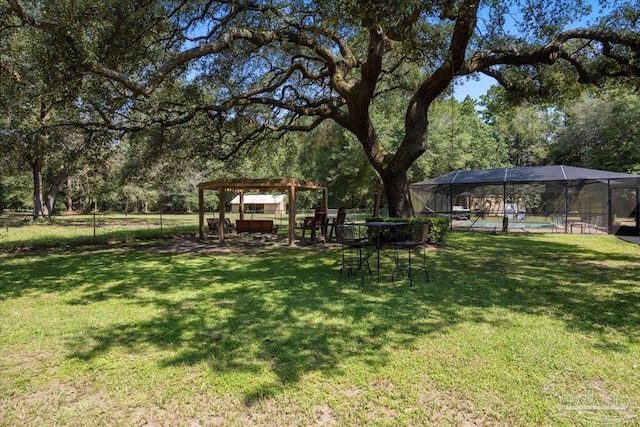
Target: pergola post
{"points": [[566, 207], [201, 212], [241, 207], [292, 214], [221, 214], [609, 209]]}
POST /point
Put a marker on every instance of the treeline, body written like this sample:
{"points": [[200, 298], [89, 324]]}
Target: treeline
{"points": [[158, 169]]}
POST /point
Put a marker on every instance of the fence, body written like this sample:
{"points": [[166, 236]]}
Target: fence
{"points": [[18, 229]]}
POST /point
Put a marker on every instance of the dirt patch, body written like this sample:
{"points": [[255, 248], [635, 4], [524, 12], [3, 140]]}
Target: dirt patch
{"points": [[447, 407], [179, 244], [324, 415], [247, 245]]}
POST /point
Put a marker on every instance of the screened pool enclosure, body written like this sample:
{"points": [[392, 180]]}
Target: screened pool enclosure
{"points": [[544, 198]]}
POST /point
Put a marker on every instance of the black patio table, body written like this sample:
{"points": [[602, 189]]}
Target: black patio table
{"points": [[378, 226]]}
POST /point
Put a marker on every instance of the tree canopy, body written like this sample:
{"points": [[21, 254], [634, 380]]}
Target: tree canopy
{"points": [[245, 71]]}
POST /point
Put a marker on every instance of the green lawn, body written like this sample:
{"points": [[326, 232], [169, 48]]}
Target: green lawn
{"points": [[17, 229], [87, 229], [519, 329]]}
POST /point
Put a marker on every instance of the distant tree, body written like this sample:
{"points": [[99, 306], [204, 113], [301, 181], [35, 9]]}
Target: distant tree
{"points": [[459, 140], [46, 126], [527, 129], [332, 155], [17, 192], [262, 68], [601, 131]]}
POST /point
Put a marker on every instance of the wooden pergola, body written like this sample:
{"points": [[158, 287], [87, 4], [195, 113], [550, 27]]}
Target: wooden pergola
{"points": [[290, 185]]}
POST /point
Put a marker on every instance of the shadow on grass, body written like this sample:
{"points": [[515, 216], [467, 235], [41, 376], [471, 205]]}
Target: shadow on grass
{"points": [[586, 287], [101, 236], [285, 312]]}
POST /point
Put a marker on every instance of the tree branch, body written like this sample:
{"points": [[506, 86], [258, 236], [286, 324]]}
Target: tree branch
{"points": [[17, 8], [482, 61], [416, 124], [184, 57]]}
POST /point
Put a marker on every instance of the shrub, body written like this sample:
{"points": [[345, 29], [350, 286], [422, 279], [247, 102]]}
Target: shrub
{"points": [[436, 229]]}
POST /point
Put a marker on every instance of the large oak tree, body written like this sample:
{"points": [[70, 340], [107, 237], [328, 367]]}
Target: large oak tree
{"points": [[45, 127], [258, 68]]}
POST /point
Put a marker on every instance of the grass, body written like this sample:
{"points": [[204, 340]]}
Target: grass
{"points": [[527, 329], [18, 230]]}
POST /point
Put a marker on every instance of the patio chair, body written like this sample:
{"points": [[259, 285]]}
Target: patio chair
{"points": [[340, 218], [596, 224], [354, 250], [315, 223], [407, 262], [213, 224], [558, 223], [228, 226]]}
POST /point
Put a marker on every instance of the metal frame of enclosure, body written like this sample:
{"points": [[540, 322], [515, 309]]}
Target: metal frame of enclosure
{"points": [[240, 185], [551, 198]]}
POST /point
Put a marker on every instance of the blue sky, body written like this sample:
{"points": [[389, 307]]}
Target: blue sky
{"points": [[473, 87], [477, 87]]}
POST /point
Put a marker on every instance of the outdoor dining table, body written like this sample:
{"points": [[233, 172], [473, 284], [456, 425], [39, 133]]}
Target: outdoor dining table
{"points": [[379, 226]]}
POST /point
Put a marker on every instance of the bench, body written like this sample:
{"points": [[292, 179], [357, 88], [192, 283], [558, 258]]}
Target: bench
{"points": [[256, 226]]}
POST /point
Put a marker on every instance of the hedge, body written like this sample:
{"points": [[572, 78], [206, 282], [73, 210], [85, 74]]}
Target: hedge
{"points": [[436, 229]]}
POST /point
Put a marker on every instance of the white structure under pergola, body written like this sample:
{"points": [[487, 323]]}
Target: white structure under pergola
{"points": [[240, 185]]}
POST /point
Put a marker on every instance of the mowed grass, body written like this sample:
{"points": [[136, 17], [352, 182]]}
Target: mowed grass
{"points": [[519, 329], [18, 230]]}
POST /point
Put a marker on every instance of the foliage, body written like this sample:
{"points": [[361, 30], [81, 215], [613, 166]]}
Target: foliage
{"points": [[245, 72], [48, 126], [17, 194], [437, 229], [527, 130], [331, 155], [601, 131], [458, 139]]}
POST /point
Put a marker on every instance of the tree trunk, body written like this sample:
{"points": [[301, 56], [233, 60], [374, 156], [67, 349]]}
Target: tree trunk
{"points": [[51, 199], [1, 198], [378, 199], [69, 202], [396, 187], [38, 204], [53, 191]]}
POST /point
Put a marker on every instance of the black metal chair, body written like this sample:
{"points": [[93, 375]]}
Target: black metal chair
{"points": [[407, 262], [354, 253]]}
